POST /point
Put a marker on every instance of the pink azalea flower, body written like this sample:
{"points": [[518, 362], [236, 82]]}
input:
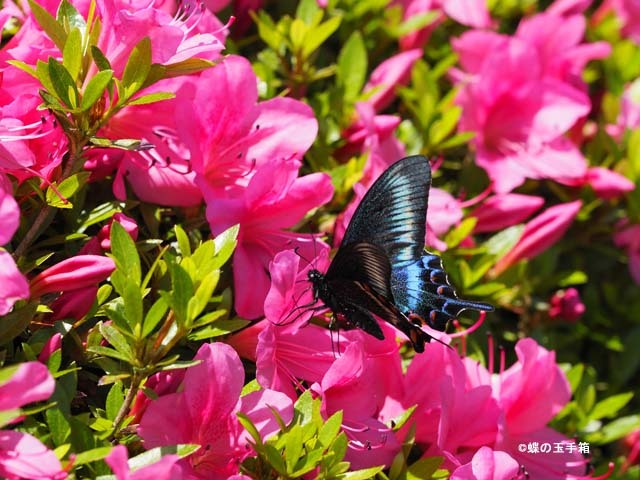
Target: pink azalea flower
{"points": [[128, 223], [13, 285], [436, 381], [25, 457], [502, 211], [608, 184], [72, 274], [203, 412], [73, 304], [629, 116], [388, 76], [9, 211], [518, 111], [275, 199], [444, 211], [472, 13], [164, 469], [31, 382], [487, 464], [21, 455], [562, 55], [230, 135], [531, 392], [353, 385], [540, 233], [566, 305], [629, 237]]}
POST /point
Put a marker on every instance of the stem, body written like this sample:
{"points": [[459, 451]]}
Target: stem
{"points": [[136, 380]]}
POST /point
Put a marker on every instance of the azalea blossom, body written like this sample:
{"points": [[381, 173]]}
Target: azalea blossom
{"points": [[540, 233], [488, 464], [275, 199], [72, 274], [203, 412], [502, 211], [23, 456], [388, 76]]}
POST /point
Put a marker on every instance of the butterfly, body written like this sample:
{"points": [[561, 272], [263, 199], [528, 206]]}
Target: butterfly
{"points": [[381, 268]]}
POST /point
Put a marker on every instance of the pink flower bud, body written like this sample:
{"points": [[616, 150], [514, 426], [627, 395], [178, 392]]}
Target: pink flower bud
{"points": [[73, 304], [540, 233], [566, 305], [608, 184], [501, 211], [129, 224], [50, 346], [72, 274], [390, 74]]}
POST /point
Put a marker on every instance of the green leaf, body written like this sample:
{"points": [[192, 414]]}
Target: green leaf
{"points": [[155, 454], [246, 422], [459, 233], [124, 253], [330, 429], [137, 68], [440, 129], [24, 67], [574, 376], [317, 36], [225, 245], [63, 83], [70, 18], [293, 447], [365, 474], [58, 426], [95, 89], [268, 31], [92, 455], [109, 352], [614, 430], [610, 406], [503, 241], [8, 416], [99, 59], [154, 316], [14, 323], [49, 24], [115, 399], [117, 341], [352, 65], [185, 67], [203, 294], [72, 53], [67, 189], [132, 297], [424, 468], [307, 10], [151, 98], [183, 241], [219, 328], [182, 291]]}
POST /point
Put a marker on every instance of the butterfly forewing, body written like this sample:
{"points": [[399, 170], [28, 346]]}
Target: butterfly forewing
{"points": [[392, 213]]}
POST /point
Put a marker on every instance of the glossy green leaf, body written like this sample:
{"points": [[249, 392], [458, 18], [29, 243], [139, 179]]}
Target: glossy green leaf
{"points": [[137, 68], [63, 83], [99, 59], [609, 407], [151, 98], [92, 455], [154, 316], [352, 65], [318, 35], [49, 24], [124, 253], [68, 188], [95, 89], [72, 53]]}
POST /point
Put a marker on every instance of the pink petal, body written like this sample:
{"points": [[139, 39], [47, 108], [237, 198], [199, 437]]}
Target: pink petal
{"points": [[388, 76], [472, 13], [501, 211], [259, 406], [31, 382], [25, 457], [488, 464], [13, 285], [9, 211], [541, 233], [54, 343], [608, 184]]}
